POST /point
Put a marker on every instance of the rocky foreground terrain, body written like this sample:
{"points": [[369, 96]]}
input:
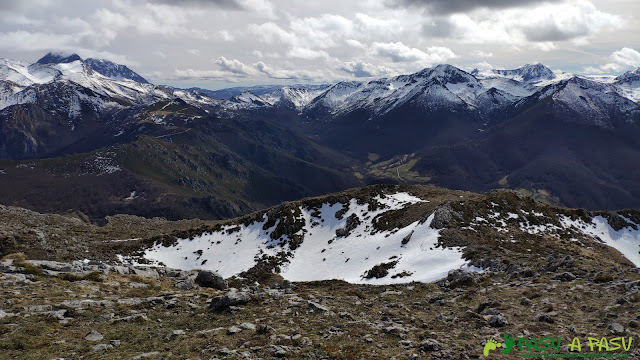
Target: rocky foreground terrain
{"points": [[56, 310], [66, 298]]}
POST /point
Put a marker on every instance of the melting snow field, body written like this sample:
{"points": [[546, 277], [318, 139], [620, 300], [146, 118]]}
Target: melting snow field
{"points": [[626, 240], [323, 255]]}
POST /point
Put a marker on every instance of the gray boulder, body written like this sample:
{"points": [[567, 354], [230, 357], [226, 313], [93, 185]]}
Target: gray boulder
{"points": [[566, 276], [498, 321], [186, 284], [94, 336], [543, 318], [145, 272], [616, 328], [430, 345], [462, 277], [232, 298], [210, 279]]}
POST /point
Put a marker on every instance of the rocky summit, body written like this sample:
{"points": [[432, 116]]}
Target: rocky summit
{"points": [[495, 267]]}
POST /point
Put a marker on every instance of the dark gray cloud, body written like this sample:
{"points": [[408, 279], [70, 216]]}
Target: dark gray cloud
{"points": [[358, 69], [10, 5], [444, 7], [440, 28], [551, 31], [225, 4], [21, 5]]}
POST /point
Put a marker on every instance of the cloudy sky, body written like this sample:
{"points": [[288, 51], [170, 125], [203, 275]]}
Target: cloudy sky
{"points": [[223, 43]]}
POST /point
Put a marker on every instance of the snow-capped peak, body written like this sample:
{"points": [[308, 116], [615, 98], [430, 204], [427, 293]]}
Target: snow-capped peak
{"points": [[629, 76], [114, 71], [20, 78], [451, 74], [246, 100], [58, 58], [295, 97], [530, 73], [629, 84]]}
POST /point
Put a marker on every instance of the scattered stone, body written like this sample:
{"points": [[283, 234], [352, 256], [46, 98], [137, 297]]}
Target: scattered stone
{"points": [[462, 277], [114, 342], [94, 336], [317, 307], [406, 239], [226, 352], [525, 301], [232, 298], [38, 308], [132, 318], [498, 321], [121, 270], [346, 315], [543, 318], [146, 355], [443, 216], [101, 348], [622, 301], [55, 266], [5, 314], [430, 345], [485, 305], [145, 272], [137, 285], [633, 324], [395, 329], [406, 343], [567, 276], [285, 284], [233, 330], [247, 326], [616, 328], [277, 350], [263, 329], [131, 301], [210, 279], [440, 300]]}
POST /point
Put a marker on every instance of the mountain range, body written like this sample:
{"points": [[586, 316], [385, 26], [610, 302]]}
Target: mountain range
{"points": [[93, 138]]}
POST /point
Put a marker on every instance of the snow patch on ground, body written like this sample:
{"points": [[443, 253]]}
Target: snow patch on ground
{"points": [[626, 240], [323, 255]]}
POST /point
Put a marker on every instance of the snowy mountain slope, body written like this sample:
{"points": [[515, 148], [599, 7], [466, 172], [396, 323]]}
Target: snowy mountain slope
{"points": [[629, 84], [293, 97], [114, 71], [530, 73], [587, 101], [228, 93], [395, 236], [196, 98], [245, 101], [441, 86], [60, 100], [21, 76], [324, 246], [57, 57], [625, 239]]}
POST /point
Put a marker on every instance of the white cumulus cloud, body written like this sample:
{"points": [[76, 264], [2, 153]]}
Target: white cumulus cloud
{"points": [[399, 52]]}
